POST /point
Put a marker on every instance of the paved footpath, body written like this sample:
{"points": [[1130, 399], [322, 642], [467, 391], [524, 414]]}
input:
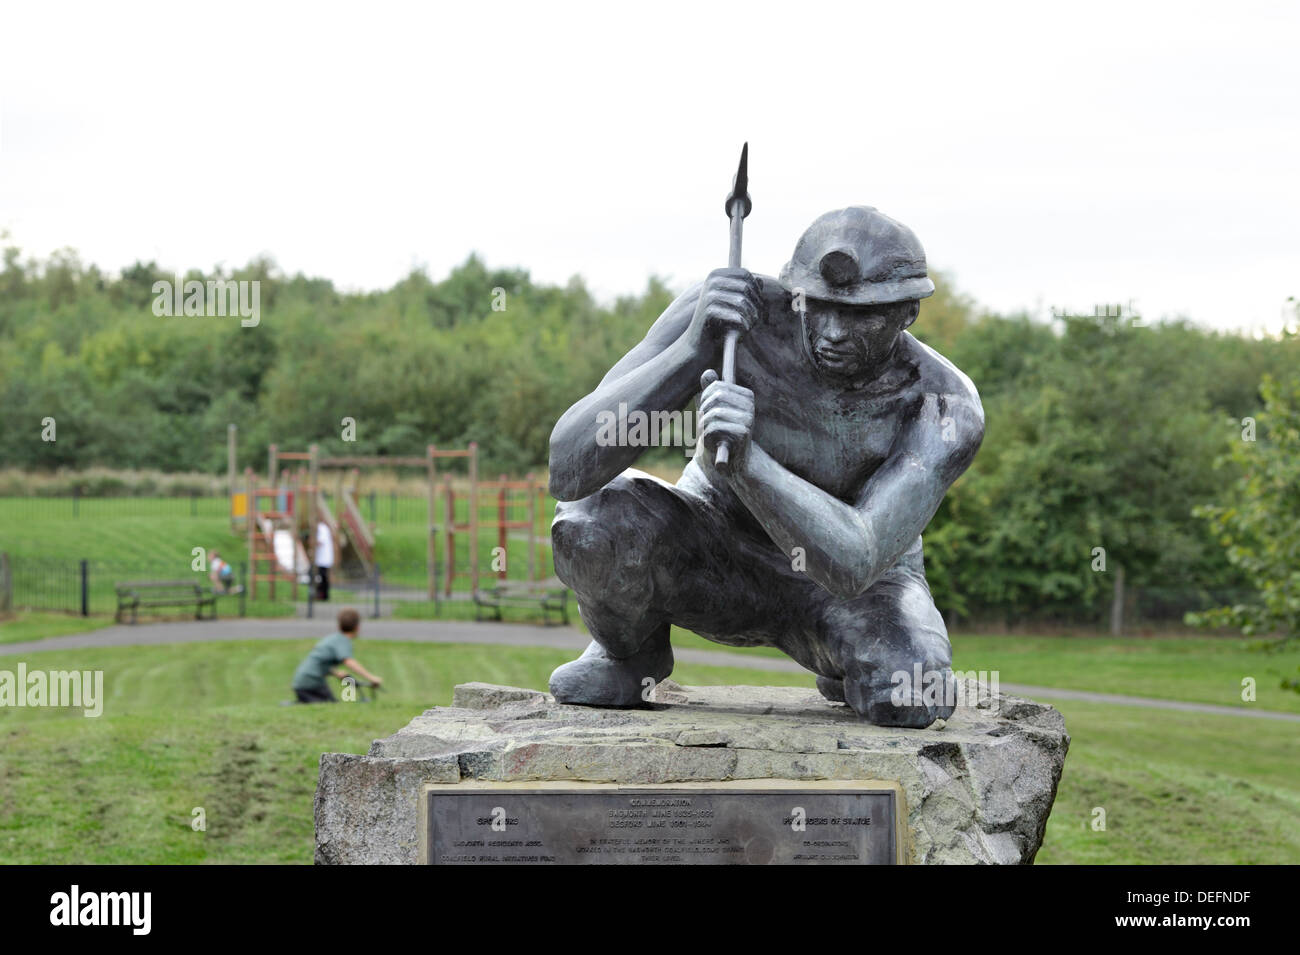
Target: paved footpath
{"points": [[517, 635]]}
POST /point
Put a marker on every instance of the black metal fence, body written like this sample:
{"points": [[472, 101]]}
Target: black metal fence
{"points": [[377, 507], [88, 587], [97, 507], [48, 585]]}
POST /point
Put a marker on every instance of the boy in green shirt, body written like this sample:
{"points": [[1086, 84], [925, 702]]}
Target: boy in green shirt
{"points": [[309, 679]]}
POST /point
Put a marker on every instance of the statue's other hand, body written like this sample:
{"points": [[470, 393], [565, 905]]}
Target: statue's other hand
{"points": [[726, 414], [729, 300]]}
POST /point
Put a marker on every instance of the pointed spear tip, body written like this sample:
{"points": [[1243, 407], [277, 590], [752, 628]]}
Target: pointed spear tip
{"points": [[740, 185]]}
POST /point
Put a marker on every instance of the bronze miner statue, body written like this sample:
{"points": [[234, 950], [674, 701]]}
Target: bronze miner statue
{"points": [[822, 453]]}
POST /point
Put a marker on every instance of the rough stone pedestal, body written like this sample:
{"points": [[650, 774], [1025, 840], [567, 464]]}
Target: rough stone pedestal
{"points": [[977, 788]]}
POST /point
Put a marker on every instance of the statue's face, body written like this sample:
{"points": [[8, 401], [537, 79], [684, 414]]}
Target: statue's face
{"points": [[854, 341]]}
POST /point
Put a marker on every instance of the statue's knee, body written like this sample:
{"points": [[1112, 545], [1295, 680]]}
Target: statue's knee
{"points": [[596, 541], [581, 545]]}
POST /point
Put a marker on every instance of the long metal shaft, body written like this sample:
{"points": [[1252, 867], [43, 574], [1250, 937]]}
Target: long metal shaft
{"points": [[733, 336]]}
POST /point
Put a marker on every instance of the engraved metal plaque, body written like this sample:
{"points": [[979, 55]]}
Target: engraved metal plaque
{"points": [[685, 824]]}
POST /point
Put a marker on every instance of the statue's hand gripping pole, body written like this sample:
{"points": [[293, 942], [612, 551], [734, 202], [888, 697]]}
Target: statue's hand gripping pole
{"points": [[738, 206]]}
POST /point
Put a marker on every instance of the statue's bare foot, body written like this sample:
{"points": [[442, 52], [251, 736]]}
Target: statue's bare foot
{"points": [[597, 679], [831, 688]]}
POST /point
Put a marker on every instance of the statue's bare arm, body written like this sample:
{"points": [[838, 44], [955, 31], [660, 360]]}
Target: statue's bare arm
{"points": [[846, 547], [661, 373]]}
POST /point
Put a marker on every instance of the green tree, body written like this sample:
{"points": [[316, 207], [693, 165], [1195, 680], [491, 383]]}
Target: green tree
{"points": [[1257, 519]]}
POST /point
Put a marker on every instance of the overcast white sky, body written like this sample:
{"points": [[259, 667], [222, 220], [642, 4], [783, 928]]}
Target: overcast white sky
{"points": [[1047, 155]]}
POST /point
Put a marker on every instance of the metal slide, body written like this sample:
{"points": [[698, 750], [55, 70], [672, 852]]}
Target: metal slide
{"points": [[289, 552], [356, 539], [358, 532]]}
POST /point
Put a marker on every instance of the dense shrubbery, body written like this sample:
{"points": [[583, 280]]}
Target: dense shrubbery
{"points": [[421, 362], [1100, 434]]}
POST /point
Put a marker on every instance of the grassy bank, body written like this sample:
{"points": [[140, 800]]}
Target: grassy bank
{"points": [[1176, 788], [200, 726]]}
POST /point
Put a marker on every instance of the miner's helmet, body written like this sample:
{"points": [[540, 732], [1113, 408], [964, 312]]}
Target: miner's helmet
{"points": [[858, 256]]}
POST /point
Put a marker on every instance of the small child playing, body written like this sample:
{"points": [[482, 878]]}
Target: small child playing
{"points": [[220, 573], [309, 679]]}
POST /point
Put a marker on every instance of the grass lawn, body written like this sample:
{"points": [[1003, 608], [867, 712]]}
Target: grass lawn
{"points": [[1197, 668], [144, 531], [1176, 788], [200, 725]]}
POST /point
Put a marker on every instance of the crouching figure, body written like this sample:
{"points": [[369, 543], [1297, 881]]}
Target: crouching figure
{"points": [[843, 434]]}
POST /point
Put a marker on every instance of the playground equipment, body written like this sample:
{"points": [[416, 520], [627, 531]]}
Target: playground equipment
{"points": [[279, 516], [356, 542], [301, 502], [506, 494], [274, 551]]}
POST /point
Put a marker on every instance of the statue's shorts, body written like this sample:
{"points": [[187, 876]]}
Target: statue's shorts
{"points": [[641, 554]]}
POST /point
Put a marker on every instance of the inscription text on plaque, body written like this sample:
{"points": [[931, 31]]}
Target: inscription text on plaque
{"points": [[702, 824]]}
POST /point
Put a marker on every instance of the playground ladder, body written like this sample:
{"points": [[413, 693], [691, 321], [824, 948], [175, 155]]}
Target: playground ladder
{"points": [[264, 566]]}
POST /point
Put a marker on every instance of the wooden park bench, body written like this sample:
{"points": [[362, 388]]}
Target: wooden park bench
{"points": [[135, 594], [551, 596]]}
